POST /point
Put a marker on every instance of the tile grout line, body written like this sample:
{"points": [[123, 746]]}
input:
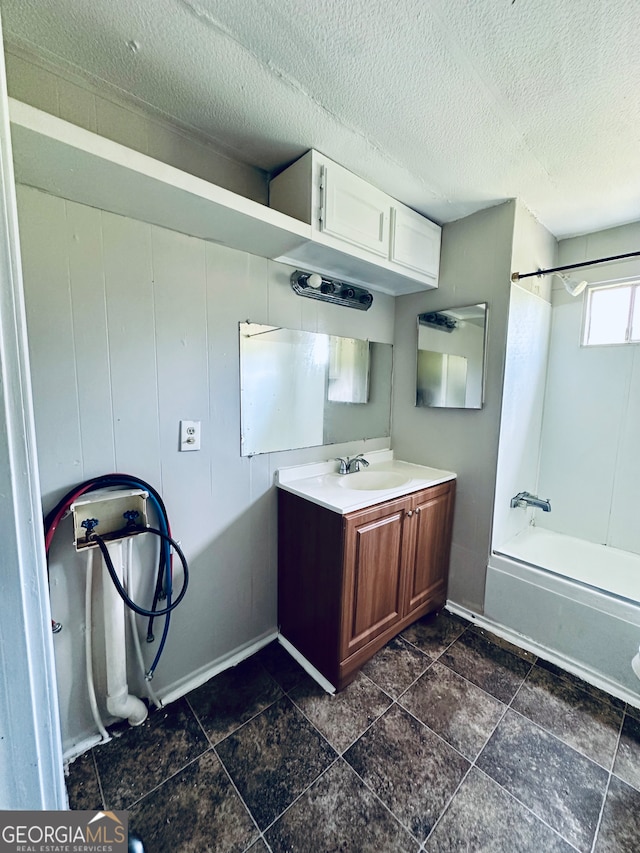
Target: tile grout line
{"points": [[302, 793], [99, 780], [313, 781], [607, 786], [283, 694], [520, 686], [382, 802], [512, 796], [507, 707], [209, 748], [240, 725], [564, 743], [240, 797], [472, 763], [168, 778], [341, 752], [340, 757]]}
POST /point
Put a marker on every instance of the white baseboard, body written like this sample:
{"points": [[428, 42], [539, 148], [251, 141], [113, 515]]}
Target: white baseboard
{"points": [[180, 688], [304, 663], [81, 746], [196, 679], [569, 664]]}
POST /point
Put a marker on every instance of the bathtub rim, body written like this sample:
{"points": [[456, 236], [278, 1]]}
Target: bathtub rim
{"points": [[584, 593], [515, 549]]}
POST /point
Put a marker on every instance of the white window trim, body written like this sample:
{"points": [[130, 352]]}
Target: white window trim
{"points": [[602, 285]]}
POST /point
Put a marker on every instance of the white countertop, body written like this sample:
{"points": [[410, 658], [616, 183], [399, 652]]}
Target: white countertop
{"points": [[320, 483]]}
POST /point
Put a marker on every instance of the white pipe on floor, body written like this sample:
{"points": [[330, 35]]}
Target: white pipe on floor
{"points": [[132, 622], [88, 648], [120, 702]]}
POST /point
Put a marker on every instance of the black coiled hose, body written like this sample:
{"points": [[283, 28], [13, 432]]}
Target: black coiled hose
{"points": [[95, 537]]}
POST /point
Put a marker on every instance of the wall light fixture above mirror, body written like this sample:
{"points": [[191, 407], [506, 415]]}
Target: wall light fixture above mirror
{"points": [[451, 357], [317, 286]]}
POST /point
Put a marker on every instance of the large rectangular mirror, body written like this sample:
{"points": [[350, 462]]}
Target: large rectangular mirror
{"points": [[301, 389], [451, 357]]}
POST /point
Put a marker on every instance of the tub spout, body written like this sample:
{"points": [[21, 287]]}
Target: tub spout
{"points": [[527, 499]]}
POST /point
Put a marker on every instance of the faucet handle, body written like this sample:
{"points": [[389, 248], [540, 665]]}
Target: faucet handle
{"points": [[355, 462], [344, 464]]}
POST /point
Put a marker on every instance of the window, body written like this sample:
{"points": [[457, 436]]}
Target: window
{"points": [[612, 315]]}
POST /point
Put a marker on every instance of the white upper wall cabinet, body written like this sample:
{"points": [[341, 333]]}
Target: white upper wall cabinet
{"points": [[359, 233]]}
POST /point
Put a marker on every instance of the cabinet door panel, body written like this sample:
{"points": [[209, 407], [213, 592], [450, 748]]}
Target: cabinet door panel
{"points": [[415, 242], [372, 581], [354, 211], [432, 519]]}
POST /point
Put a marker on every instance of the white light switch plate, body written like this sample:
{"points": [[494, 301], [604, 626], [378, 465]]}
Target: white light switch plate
{"points": [[189, 435]]}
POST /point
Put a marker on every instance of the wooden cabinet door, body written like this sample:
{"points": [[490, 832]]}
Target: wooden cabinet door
{"points": [[415, 242], [354, 211], [373, 554], [428, 566]]}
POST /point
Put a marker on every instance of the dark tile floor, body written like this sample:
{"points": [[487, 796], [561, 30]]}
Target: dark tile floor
{"points": [[449, 739]]}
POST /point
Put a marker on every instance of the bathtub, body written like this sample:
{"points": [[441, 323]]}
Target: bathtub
{"points": [[571, 602]]}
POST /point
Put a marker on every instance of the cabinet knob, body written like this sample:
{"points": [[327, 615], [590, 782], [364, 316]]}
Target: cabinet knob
{"points": [[409, 513], [418, 509]]}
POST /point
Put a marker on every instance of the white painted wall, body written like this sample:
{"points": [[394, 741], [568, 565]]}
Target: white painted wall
{"points": [[132, 328], [589, 464], [475, 267]]}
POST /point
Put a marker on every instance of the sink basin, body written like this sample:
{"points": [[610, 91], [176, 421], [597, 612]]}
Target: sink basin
{"points": [[372, 481], [386, 478]]}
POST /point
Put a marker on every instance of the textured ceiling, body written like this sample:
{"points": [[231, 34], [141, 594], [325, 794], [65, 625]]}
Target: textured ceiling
{"points": [[448, 105]]}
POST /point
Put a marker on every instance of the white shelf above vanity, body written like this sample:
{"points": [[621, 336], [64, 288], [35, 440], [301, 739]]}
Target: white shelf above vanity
{"points": [[70, 162], [73, 163]]}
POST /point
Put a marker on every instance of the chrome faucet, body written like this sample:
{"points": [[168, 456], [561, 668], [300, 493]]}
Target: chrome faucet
{"points": [[527, 499], [351, 465]]}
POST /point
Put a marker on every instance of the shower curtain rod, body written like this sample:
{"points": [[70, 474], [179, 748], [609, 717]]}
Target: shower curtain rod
{"points": [[516, 276]]}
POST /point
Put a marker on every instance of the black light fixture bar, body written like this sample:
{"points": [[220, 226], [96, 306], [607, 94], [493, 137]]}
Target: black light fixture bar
{"points": [[516, 276], [316, 286], [437, 320]]}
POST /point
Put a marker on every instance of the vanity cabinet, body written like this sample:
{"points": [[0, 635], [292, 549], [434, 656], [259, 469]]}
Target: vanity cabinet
{"points": [[359, 233], [348, 583]]}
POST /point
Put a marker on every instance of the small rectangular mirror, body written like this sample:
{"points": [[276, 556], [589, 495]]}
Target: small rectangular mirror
{"points": [[451, 357]]}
